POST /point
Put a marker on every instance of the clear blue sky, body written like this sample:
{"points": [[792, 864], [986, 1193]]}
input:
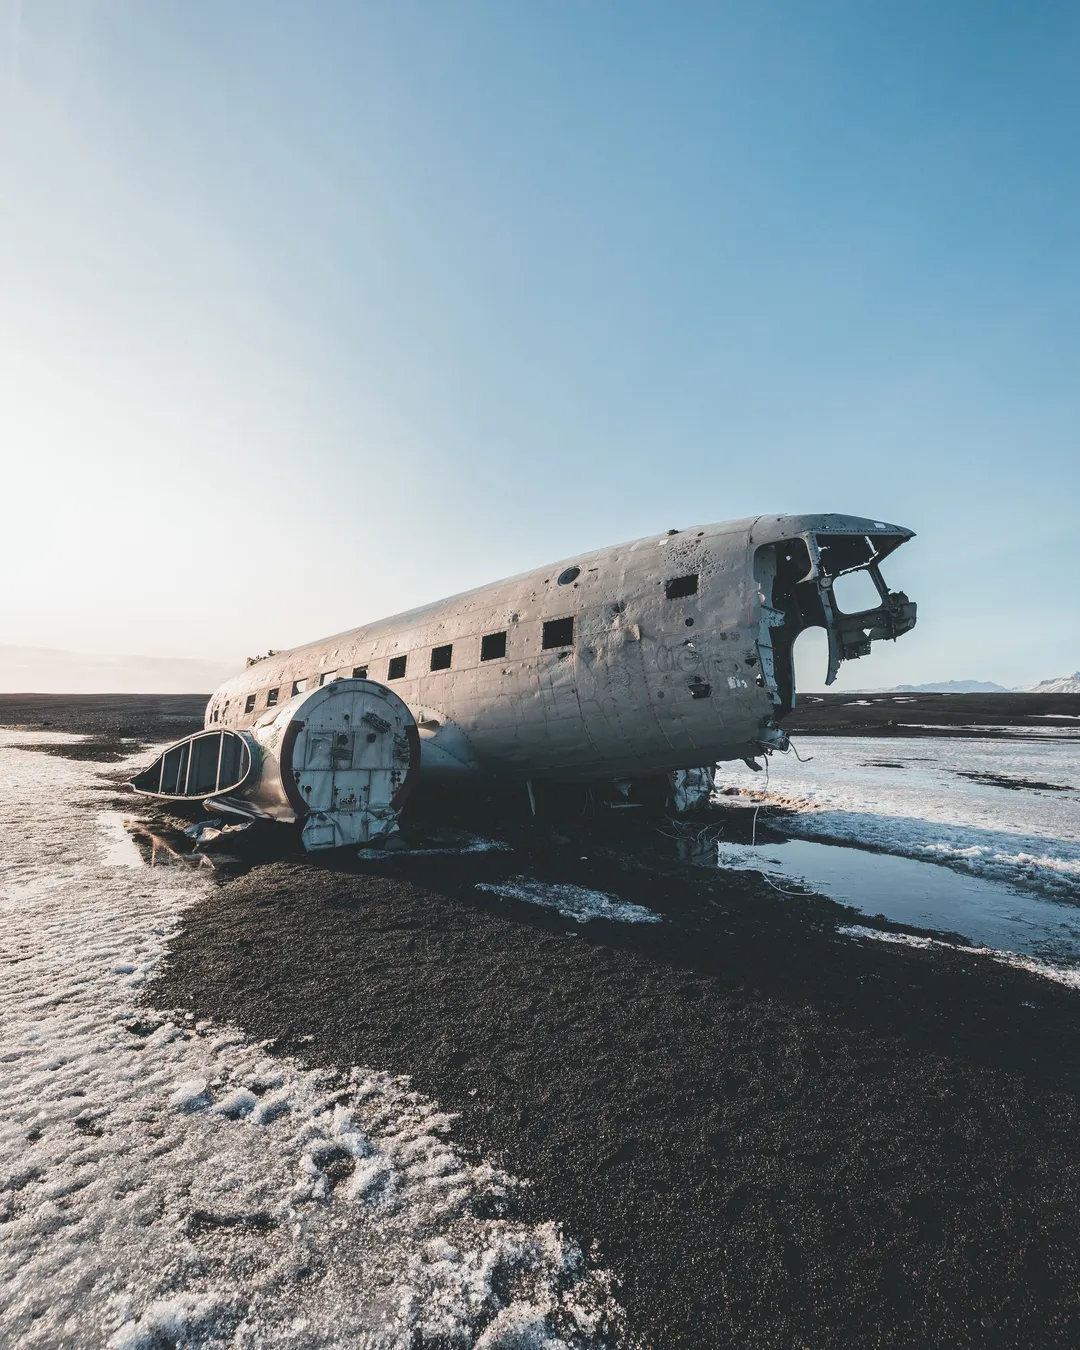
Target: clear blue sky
{"points": [[315, 312]]}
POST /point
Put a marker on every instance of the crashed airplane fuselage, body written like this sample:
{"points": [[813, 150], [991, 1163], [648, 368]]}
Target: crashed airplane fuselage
{"points": [[670, 652]]}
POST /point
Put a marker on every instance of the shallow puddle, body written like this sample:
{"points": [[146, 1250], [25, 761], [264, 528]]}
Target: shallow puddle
{"points": [[118, 847], [922, 894]]}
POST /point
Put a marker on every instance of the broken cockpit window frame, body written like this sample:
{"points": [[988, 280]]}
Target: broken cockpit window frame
{"points": [[855, 592], [796, 579]]}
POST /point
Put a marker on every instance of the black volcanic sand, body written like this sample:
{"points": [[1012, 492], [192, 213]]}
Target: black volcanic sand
{"points": [[775, 1135], [116, 725], [930, 714]]}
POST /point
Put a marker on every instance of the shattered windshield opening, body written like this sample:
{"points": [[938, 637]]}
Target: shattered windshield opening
{"points": [[798, 578]]}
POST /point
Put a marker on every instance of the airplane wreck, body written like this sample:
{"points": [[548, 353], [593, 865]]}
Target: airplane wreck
{"points": [[635, 667]]}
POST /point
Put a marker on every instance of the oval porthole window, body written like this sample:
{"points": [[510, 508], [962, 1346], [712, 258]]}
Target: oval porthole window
{"points": [[571, 574]]}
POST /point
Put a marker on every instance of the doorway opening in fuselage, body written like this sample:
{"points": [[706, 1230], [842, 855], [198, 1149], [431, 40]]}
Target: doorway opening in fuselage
{"points": [[783, 573]]}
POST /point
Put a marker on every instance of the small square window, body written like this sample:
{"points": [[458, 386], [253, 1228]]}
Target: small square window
{"points": [[271, 698], [681, 587], [359, 672], [558, 633], [249, 703], [441, 657], [326, 677], [299, 687], [493, 647], [396, 670]]}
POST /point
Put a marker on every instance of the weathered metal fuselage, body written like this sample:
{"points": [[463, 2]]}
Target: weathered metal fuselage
{"points": [[664, 653]]}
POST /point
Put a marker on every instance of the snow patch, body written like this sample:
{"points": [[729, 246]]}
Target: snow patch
{"points": [[471, 844], [575, 902], [183, 1320], [1045, 969], [193, 1095]]}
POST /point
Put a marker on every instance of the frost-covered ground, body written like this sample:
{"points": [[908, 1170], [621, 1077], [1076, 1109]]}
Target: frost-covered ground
{"points": [[574, 902], [168, 1184], [911, 797]]}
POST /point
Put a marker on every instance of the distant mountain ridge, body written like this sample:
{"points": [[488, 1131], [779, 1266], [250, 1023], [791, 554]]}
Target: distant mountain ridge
{"points": [[950, 687], [43, 670], [1065, 684]]}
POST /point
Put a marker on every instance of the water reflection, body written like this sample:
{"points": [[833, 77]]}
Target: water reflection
{"points": [[924, 895], [130, 843]]}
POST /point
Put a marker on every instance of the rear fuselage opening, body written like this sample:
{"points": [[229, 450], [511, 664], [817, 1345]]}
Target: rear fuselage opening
{"points": [[338, 760]]}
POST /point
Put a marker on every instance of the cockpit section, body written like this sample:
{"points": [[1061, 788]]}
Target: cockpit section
{"points": [[810, 581]]}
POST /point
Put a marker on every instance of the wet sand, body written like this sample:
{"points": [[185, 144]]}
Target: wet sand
{"points": [[775, 1135]]}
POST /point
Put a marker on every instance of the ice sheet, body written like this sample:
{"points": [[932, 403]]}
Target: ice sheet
{"points": [[910, 796], [169, 1184]]}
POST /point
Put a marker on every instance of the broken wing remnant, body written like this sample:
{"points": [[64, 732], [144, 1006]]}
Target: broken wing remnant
{"points": [[339, 760]]}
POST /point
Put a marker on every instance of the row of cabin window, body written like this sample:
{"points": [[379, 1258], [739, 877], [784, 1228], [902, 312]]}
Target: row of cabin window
{"points": [[557, 633]]}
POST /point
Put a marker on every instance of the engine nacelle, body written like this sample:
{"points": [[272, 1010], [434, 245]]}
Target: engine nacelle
{"points": [[340, 760]]}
